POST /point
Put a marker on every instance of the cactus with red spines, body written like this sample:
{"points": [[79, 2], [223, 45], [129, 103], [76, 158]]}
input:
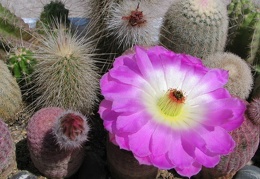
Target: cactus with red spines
{"points": [[55, 141]]}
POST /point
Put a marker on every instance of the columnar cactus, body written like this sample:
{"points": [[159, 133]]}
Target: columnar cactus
{"points": [[7, 152], [20, 62], [10, 94], [240, 81], [195, 27], [65, 74], [55, 140], [244, 33], [123, 24]]}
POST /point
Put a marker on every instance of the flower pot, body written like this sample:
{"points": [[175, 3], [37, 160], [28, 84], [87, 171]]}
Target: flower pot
{"points": [[123, 165]]}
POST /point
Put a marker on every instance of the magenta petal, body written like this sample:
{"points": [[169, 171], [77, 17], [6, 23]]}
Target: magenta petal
{"points": [[160, 140], [139, 142], [177, 154], [143, 62], [218, 140], [206, 159], [189, 171], [143, 160], [214, 79], [131, 123], [161, 162]]}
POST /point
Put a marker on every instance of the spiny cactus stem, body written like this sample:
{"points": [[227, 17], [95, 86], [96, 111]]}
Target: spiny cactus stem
{"points": [[255, 41]]}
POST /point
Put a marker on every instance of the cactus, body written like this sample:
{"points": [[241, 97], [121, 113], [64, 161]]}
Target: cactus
{"points": [[244, 33], [247, 141], [7, 152], [125, 23], [54, 11], [240, 82], [13, 29], [55, 140], [195, 27], [10, 95], [65, 74], [20, 62]]}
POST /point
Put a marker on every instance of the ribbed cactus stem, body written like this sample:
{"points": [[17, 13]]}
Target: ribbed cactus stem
{"points": [[255, 42], [71, 130], [196, 27]]}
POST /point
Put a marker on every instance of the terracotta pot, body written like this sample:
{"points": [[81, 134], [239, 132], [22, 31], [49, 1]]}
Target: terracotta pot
{"points": [[123, 165]]}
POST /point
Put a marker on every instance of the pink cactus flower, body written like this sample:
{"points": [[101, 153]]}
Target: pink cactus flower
{"points": [[169, 110]]}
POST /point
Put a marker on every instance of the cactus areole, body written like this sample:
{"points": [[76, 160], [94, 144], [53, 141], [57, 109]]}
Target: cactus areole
{"points": [[136, 18]]}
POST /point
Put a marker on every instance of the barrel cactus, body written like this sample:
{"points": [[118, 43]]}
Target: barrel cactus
{"points": [[55, 140], [10, 95], [196, 27], [7, 152]]}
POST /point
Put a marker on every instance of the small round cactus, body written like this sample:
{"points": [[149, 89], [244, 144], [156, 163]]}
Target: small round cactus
{"points": [[240, 82], [20, 62], [7, 152], [55, 140], [65, 74], [195, 27], [10, 95]]}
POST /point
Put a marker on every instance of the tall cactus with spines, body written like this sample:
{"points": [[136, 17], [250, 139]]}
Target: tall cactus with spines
{"points": [[10, 94], [7, 152], [55, 140], [12, 28], [20, 61], [244, 33], [196, 27], [65, 74]]}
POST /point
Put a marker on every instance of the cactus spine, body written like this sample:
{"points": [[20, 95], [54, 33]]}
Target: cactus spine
{"points": [[196, 27], [7, 152], [65, 74], [244, 34], [10, 94], [55, 140]]}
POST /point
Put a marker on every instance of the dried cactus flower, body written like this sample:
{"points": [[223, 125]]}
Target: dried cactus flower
{"points": [[240, 80]]}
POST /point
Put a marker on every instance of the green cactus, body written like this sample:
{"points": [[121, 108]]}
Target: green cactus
{"points": [[53, 11], [12, 28], [10, 94], [244, 33], [21, 62], [195, 27]]}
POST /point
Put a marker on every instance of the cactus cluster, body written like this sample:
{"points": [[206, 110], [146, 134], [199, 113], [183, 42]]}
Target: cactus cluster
{"points": [[7, 152], [244, 33], [195, 27], [10, 94], [20, 62], [55, 140]]}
